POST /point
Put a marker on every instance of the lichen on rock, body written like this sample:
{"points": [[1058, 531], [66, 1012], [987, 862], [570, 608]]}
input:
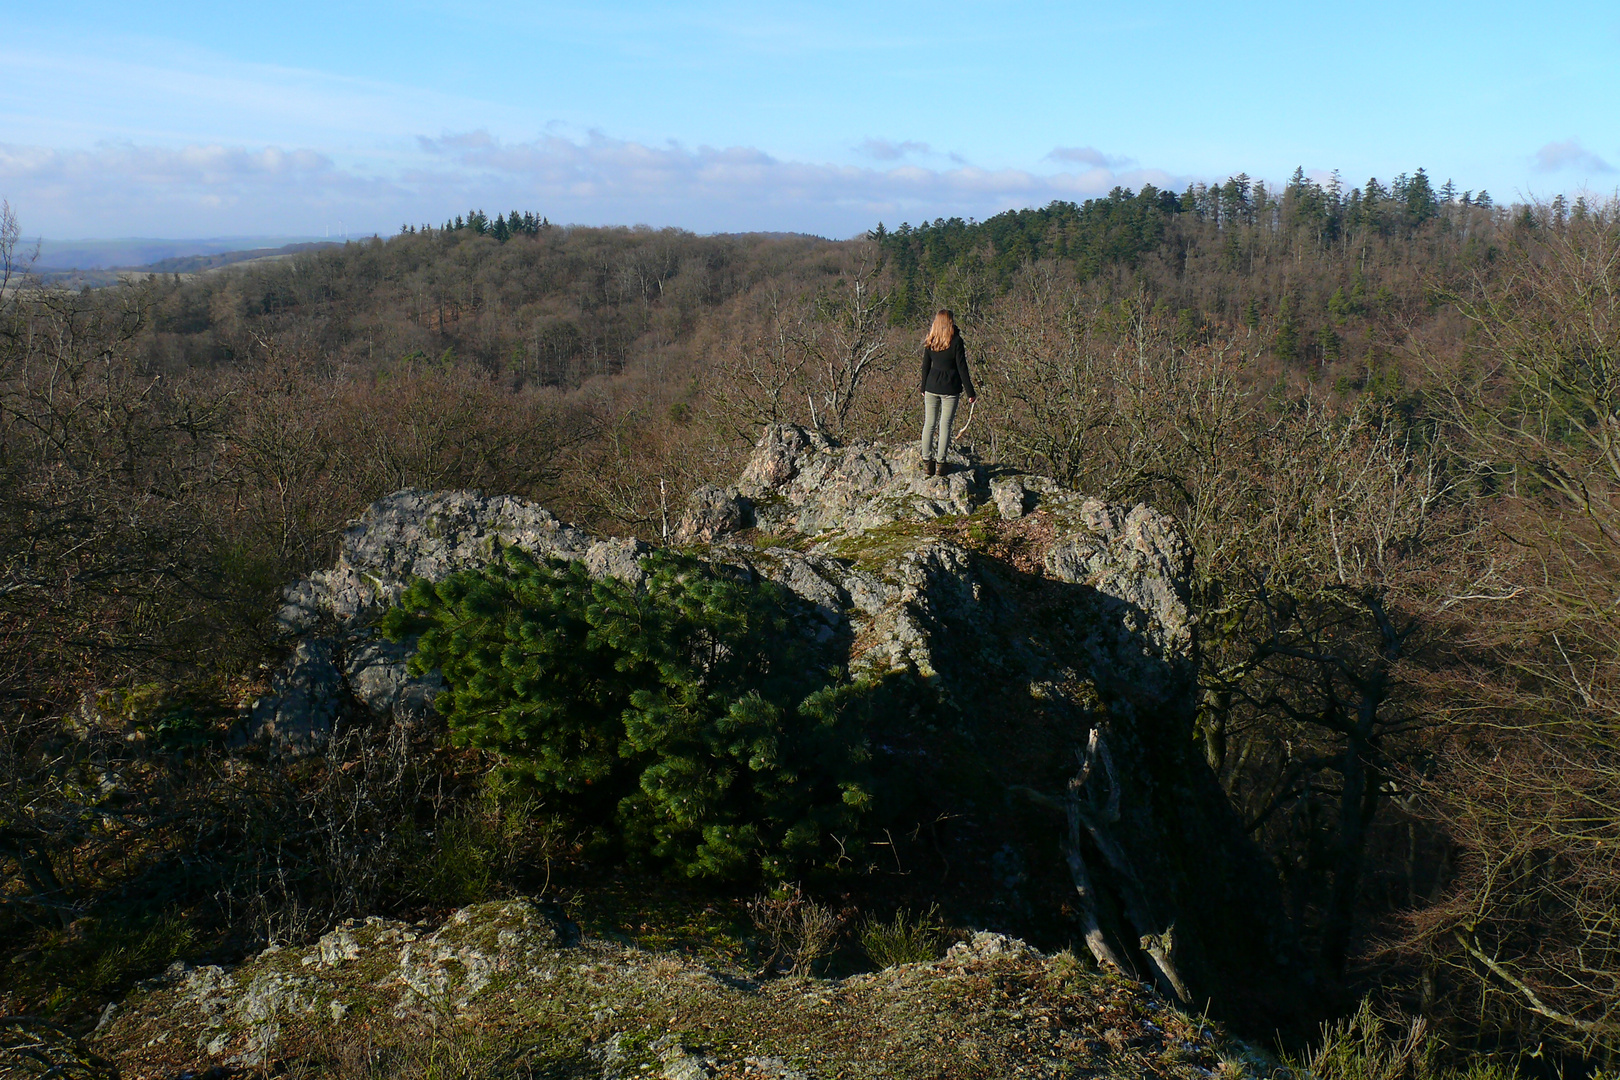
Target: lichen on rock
{"points": [[1058, 619], [513, 972]]}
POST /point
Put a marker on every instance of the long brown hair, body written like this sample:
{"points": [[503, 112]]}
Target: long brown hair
{"points": [[940, 334]]}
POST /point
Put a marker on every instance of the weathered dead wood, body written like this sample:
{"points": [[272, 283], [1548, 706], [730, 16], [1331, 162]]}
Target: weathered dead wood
{"points": [[1090, 921], [1156, 941]]}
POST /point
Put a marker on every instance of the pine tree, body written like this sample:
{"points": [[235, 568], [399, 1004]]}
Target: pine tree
{"points": [[688, 712], [1339, 306], [1330, 344], [1286, 344], [1372, 208], [1421, 204]]}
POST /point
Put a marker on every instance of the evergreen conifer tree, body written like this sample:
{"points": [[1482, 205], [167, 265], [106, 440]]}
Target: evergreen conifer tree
{"points": [[1286, 343], [688, 712]]}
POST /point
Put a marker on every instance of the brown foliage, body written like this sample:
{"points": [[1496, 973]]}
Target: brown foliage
{"points": [[1388, 602], [1322, 532], [1528, 789]]}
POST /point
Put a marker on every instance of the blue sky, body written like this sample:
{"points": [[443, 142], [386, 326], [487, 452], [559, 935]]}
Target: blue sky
{"points": [[190, 119]]}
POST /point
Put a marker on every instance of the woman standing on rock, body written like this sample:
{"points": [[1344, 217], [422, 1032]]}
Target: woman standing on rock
{"points": [[944, 379]]}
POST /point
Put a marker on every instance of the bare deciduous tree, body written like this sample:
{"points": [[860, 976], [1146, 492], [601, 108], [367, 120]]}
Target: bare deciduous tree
{"points": [[1530, 786], [1317, 529], [846, 344]]}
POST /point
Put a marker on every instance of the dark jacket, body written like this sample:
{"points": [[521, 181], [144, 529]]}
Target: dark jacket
{"points": [[946, 373]]}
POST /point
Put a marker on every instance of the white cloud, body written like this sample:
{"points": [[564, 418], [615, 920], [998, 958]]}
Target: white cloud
{"points": [[164, 93], [1088, 155], [127, 189], [1569, 155], [761, 191], [885, 150]]}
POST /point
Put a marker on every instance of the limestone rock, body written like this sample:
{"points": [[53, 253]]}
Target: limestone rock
{"points": [[1010, 497], [338, 660], [986, 946], [241, 1017], [296, 717], [799, 482], [428, 534], [775, 459], [513, 974], [1137, 557], [450, 967], [377, 677], [989, 595], [711, 512]]}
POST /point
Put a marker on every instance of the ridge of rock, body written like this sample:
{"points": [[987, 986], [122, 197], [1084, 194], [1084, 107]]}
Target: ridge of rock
{"points": [[797, 486], [1032, 620], [579, 1006]]}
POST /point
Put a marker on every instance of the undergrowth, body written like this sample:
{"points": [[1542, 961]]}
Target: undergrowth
{"points": [[905, 939]]}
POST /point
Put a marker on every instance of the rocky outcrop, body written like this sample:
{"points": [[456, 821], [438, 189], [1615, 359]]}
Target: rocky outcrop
{"points": [[338, 662], [515, 975], [241, 1016], [797, 486], [1041, 633]]}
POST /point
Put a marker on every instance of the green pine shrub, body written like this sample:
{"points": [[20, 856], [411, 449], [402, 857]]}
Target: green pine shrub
{"points": [[688, 711]]}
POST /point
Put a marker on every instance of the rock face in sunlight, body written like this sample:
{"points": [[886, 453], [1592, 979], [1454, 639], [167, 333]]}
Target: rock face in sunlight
{"points": [[338, 660], [1051, 629], [851, 521]]}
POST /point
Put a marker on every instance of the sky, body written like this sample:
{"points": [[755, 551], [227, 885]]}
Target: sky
{"points": [[180, 119]]}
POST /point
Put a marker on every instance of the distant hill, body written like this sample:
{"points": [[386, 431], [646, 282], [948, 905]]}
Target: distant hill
{"points": [[131, 252], [98, 263], [194, 264]]}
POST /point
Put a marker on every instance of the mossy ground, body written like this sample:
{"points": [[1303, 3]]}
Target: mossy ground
{"points": [[581, 1009]]}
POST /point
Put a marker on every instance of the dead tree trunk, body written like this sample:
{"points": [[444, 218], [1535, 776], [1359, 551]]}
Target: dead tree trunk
{"points": [[1155, 939]]}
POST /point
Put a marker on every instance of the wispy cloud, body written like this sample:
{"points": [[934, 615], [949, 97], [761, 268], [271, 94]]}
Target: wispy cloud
{"points": [[1088, 155], [756, 189], [128, 189], [885, 150], [1569, 155]]}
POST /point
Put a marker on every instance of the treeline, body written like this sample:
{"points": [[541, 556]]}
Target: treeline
{"points": [[1325, 268], [1126, 225], [1384, 418], [550, 306], [503, 228]]}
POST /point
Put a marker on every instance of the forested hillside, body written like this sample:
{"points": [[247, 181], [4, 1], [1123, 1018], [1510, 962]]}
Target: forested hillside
{"points": [[1385, 419]]}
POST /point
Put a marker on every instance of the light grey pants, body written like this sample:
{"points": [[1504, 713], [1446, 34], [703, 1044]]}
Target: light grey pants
{"points": [[938, 411]]}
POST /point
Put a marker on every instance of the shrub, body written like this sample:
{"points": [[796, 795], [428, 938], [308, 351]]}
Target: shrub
{"points": [[906, 939], [1364, 1046], [799, 930], [101, 956], [685, 710], [473, 848]]}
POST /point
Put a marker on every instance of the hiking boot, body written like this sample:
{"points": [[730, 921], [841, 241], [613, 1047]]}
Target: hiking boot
{"points": [[928, 466], [942, 468]]}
